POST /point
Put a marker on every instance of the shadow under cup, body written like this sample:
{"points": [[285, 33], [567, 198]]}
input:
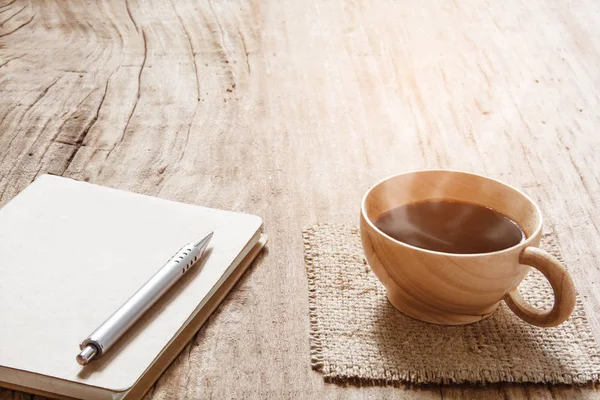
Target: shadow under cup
{"points": [[447, 288]]}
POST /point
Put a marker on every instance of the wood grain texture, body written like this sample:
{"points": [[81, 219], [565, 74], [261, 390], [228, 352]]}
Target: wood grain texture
{"points": [[291, 110], [419, 283], [565, 295]]}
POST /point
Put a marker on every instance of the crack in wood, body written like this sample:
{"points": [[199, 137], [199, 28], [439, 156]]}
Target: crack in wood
{"points": [[15, 163], [41, 158], [118, 33], [220, 29], [42, 94], [37, 172], [187, 34], [59, 141], [131, 16], [7, 184], [12, 16], [6, 115], [73, 71], [120, 140], [79, 142], [222, 50], [18, 27], [581, 178], [245, 51], [8, 4], [59, 130], [187, 136]]}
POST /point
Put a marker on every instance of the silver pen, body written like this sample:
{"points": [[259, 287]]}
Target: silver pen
{"points": [[105, 336]]}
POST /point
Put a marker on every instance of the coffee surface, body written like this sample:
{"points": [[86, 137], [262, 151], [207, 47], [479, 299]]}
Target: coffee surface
{"points": [[451, 227]]}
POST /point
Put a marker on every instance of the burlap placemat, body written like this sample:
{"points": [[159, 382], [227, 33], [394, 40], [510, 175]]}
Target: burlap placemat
{"points": [[357, 335]]}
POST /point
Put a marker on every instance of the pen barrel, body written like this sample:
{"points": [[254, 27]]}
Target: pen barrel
{"points": [[115, 326]]}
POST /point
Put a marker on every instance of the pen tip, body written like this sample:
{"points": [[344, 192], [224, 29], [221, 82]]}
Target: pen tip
{"points": [[203, 243]]}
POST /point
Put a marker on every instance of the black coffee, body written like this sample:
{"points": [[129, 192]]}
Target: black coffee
{"points": [[451, 227]]}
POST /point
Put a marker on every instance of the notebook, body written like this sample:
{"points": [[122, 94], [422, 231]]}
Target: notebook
{"points": [[72, 252]]}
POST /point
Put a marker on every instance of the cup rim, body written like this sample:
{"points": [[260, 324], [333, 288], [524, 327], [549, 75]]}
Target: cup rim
{"points": [[523, 244]]}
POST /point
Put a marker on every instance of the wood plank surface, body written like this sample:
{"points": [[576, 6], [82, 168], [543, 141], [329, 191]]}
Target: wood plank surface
{"points": [[291, 110]]}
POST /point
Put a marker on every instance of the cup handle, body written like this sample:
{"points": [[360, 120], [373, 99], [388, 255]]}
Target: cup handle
{"points": [[562, 285]]}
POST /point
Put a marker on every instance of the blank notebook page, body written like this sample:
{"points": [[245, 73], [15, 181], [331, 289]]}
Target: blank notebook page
{"points": [[71, 253]]}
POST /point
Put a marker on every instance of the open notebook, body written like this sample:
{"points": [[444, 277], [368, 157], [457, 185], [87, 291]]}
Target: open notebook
{"points": [[72, 252]]}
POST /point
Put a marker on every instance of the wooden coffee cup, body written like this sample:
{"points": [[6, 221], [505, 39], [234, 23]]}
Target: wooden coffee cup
{"points": [[455, 289]]}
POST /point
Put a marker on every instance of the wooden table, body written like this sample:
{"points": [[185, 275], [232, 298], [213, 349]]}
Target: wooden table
{"points": [[290, 110]]}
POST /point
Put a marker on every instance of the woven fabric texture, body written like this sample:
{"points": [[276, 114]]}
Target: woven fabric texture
{"points": [[357, 335]]}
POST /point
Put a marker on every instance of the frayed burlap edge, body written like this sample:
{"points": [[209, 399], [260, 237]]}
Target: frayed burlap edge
{"points": [[316, 345], [429, 376]]}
